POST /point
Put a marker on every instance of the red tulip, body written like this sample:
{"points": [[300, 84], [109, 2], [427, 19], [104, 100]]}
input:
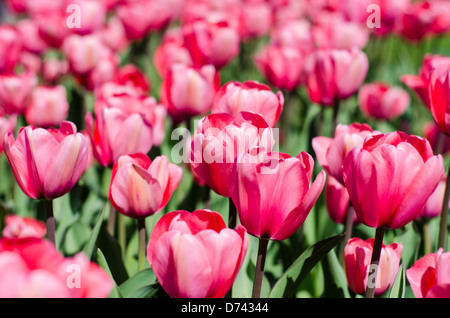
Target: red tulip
{"points": [[439, 93], [263, 193], [381, 101], [357, 256], [331, 152], [219, 139], [47, 163], [429, 276], [390, 178], [335, 74], [141, 187], [22, 227], [131, 75], [15, 92], [188, 91], [48, 106], [33, 268], [194, 255], [117, 133], [251, 96]]}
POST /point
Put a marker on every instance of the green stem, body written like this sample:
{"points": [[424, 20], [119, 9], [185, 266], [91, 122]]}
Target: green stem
{"points": [[50, 221], [348, 231], [374, 264], [122, 233], [336, 107], [259, 270], [142, 243], [232, 214], [444, 215], [111, 226]]}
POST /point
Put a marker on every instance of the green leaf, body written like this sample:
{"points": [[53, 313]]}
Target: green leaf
{"points": [[286, 286], [398, 287], [90, 245], [115, 293], [335, 277], [142, 285]]}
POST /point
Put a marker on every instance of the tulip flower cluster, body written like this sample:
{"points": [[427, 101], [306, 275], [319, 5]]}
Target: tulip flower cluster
{"points": [[313, 137]]}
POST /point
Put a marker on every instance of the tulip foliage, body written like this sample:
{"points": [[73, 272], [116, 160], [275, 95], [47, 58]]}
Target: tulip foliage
{"points": [[224, 149]]}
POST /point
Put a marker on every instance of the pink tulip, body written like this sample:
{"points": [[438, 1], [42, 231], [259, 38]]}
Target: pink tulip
{"points": [[433, 206], [262, 193], [117, 133], [131, 75], [419, 83], [141, 187], [256, 19], [438, 141], [48, 106], [295, 33], [17, 6], [337, 201], [194, 255], [251, 96], [188, 91], [335, 74], [29, 33], [113, 34], [52, 22], [92, 15], [429, 276], [331, 152], [215, 43], [275, 62], [104, 71], [47, 163], [7, 125], [219, 139], [357, 256], [22, 227], [390, 178], [54, 69], [33, 268], [10, 48], [15, 92], [382, 101], [439, 93]]}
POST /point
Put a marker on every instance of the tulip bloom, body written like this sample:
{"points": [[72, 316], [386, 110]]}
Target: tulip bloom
{"points": [[439, 93], [381, 101], [21, 227], [274, 197], [10, 48], [47, 163], [357, 255], [7, 125], [331, 152], [187, 91], [338, 201], [33, 268], [219, 139], [433, 206], [390, 178], [141, 187], [251, 96], [194, 255], [335, 74], [429, 276], [15, 92]]}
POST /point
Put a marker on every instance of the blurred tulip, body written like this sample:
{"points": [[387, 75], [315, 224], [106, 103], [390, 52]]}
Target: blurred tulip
{"points": [[251, 96], [131, 75], [54, 69], [117, 133], [47, 163], [331, 152], [29, 34], [92, 15], [219, 139], [295, 33], [382, 101], [194, 255], [429, 276], [10, 48], [357, 255], [22, 227], [15, 92], [256, 19], [33, 268], [52, 22], [335, 74], [390, 178], [438, 141], [262, 193], [48, 106], [215, 43], [7, 125], [439, 93], [337, 201], [141, 187], [187, 91], [113, 35]]}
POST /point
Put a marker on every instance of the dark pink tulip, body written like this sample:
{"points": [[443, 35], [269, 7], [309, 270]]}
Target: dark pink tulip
{"points": [[357, 257], [390, 178], [382, 101], [275, 62], [22, 227], [7, 125], [52, 23], [131, 75], [438, 140], [33, 268], [331, 152], [337, 201], [188, 91], [263, 193], [215, 43], [439, 93], [219, 139], [17, 6], [194, 255], [10, 48], [335, 74], [48, 106], [141, 187], [419, 83], [251, 96], [47, 163], [116, 133], [15, 92], [429, 276]]}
